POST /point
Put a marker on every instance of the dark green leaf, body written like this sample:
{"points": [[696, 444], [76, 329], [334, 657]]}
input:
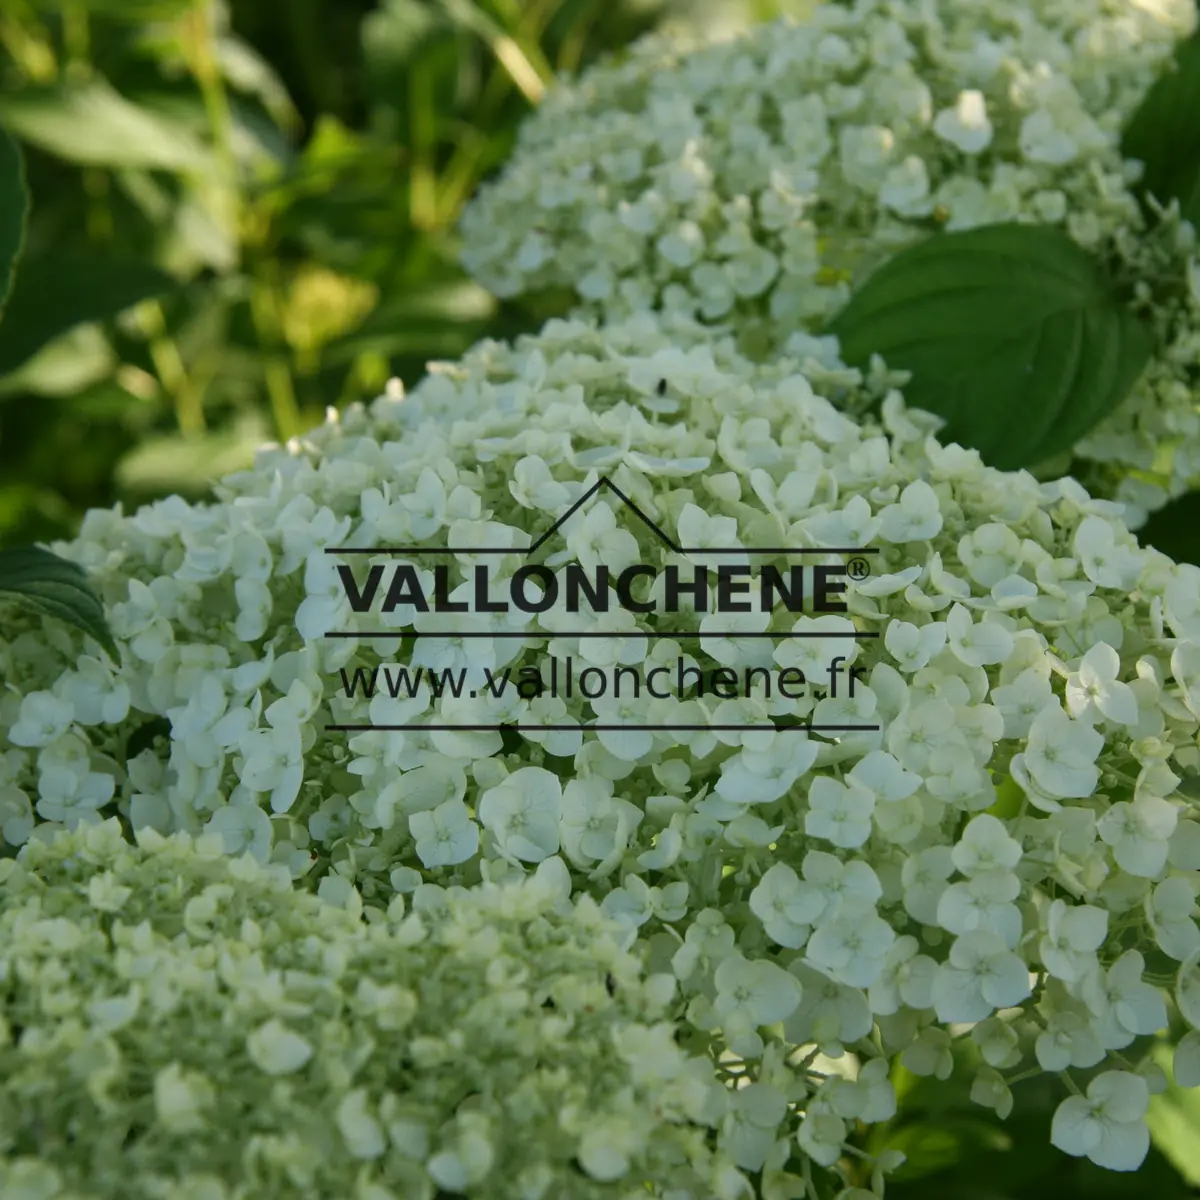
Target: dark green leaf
{"points": [[1175, 529], [93, 124], [1012, 334], [56, 292], [14, 208], [931, 1146], [1164, 133], [1011, 1160], [245, 69], [53, 587], [1029, 1166]]}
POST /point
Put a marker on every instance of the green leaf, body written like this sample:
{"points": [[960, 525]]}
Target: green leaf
{"points": [[1164, 133], [14, 209], [1012, 333], [393, 34], [435, 311], [52, 587], [56, 292], [190, 465], [127, 10], [65, 367], [247, 71], [931, 1146], [1174, 1120], [1175, 529], [91, 123]]}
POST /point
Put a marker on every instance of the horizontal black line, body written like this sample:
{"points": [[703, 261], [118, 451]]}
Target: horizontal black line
{"points": [[590, 633], [600, 728], [424, 550], [525, 550], [779, 550]]}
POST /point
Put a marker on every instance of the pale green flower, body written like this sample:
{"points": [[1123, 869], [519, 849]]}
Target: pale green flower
{"points": [[270, 1042]]}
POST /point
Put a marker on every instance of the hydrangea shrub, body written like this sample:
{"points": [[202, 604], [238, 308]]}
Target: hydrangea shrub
{"points": [[179, 1022], [758, 181], [1011, 856]]}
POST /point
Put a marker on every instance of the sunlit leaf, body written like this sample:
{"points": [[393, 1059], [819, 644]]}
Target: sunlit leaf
{"points": [[1174, 1120], [91, 123], [190, 465], [66, 366]]}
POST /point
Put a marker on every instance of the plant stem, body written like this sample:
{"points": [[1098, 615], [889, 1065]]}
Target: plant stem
{"points": [[76, 39], [462, 172], [32, 53], [276, 370], [187, 398], [199, 49], [423, 206], [99, 215], [1021, 1076]]}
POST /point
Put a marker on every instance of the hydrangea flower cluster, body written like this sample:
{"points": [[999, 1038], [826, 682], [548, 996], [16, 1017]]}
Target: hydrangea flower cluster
{"points": [[756, 181], [178, 1022], [1005, 850]]}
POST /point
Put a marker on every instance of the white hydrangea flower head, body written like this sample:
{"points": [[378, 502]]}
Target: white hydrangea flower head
{"points": [[255, 1036], [756, 181], [1004, 835], [735, 176]]}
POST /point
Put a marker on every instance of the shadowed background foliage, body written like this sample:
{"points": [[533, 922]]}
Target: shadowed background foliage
{"points": [[243, 213]]}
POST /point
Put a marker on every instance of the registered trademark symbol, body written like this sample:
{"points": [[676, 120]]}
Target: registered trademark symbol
{"points": [[858, 568]]}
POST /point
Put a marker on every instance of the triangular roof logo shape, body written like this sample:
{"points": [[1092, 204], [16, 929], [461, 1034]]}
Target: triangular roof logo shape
{"points": [[604, 482]]}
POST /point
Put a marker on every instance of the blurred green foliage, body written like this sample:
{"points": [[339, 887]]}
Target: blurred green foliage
{"points": [[242, 213]]}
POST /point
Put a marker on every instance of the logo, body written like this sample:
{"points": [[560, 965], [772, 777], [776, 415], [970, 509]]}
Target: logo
{"points": [[422, 582]]}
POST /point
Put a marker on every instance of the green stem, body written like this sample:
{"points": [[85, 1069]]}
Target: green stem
{"points": [[32, 53], [200, 51], [423, 200], [1021, 1076], [810, 1187], [461, 174], [188, 399], [282, 395], [1072, 1086], [77, 39], [99, 215], [276, 370]]}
